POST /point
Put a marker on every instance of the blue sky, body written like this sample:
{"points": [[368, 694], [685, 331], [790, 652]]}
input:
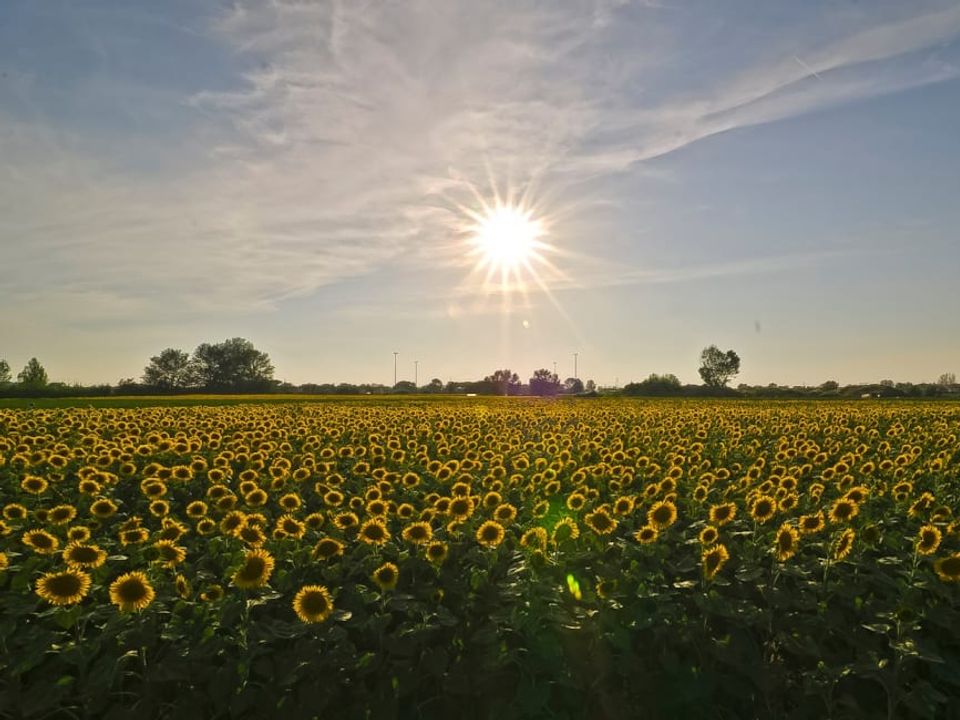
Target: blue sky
{"points": [[779, 178]]}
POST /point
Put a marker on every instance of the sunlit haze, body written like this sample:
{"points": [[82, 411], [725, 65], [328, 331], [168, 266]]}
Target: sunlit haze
{"points": [[481, 185]]}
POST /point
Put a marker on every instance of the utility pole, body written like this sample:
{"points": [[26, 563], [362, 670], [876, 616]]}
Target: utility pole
{"points": [[576, 375], [416, 370], [395, 368], [554, 367]]}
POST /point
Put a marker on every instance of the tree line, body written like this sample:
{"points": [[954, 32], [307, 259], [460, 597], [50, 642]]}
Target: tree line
{"points": [[236, 366]]}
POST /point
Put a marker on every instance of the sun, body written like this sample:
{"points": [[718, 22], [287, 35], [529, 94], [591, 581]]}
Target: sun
{"points": [[507, 238]]}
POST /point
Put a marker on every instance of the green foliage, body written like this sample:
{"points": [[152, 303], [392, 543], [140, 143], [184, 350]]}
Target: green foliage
{"points": [[717, 368], [5, 375], [33, 376]]}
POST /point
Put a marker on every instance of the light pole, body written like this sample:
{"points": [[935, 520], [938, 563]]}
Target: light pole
{"points": [[395, 368], [554, 367], [575, 373], [416, 370]]}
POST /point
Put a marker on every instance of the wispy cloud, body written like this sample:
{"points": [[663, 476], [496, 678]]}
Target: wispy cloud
{"points": [[361, 125]]}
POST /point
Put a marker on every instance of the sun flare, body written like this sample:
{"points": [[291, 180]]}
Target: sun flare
{"points": [[507, 237]]}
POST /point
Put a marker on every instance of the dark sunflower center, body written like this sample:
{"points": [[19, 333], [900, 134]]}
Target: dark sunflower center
{"points": [[314, 603], [83, 555], [132, 590], [65, 585]]}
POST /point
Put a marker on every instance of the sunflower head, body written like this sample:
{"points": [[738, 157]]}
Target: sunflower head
{"points": [[374, 532], [785, 545], [313, 604], [811, 523], [662, 515], [386, 576], [490, 534], [709, 535], [437, 552], [131, 592], [713, 560], [763, 508], [948, 568], [646, 535], [535, 539], [600, 522], [255, 571], [64, 588], [78, 555], [327, 548], [40, 541], [418, 533], [928, 539], [844, 544], [843, 510], [565, 529]]}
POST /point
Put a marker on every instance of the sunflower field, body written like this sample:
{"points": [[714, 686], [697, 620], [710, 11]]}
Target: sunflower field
{"points": [[488, 558]]}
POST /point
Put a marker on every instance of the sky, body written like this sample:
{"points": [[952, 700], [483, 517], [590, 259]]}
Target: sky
{"points": [[780, 178]]}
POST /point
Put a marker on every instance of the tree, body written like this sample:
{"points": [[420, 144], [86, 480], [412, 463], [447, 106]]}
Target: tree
{"points": [[434, 386], [717, 368], [33, 375], [170, 370], [505, 382], [591, 386], [544, 382], [946, 380], [404, 386], [234, 365], [830, 386], [5, 375], [573, 386], [668, 384]]}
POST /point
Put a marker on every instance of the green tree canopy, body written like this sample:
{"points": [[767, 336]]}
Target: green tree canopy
{"points": [[717, 368], [5, 376], [33, 375], [232, 365], [170, 370]]}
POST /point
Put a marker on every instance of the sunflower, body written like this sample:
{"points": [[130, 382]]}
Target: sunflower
{"points": [[15, 512], [64, 588], [34, 485], [600, 522], [169, 552], [623, 505], [535, 538], [314, 520], [172, 530], [606, 588], [490, 534], [722, 514], [290, 527], [576, 501], [662, 515], [134, 536], [418, 533], [313, 604], [345, 520], [541, 509], [460, 508], [647, 534], [131, 592], [255, 571], [948, 568], [232, 522], [159, 508], [505, 513], [811, 523], [843, 510], [40, 541], [61, 514], [785, 545], [713, 559], [709, 535], [386, 576], [928, 540], [78, 555], [4, 561], [374, 532], [103, 508], [327, 548], [196, 509], [844, 544], [212, 593], [437, 552], [763, 508], [182, 586], [255, 497], [565, 529], [206, 526]]}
